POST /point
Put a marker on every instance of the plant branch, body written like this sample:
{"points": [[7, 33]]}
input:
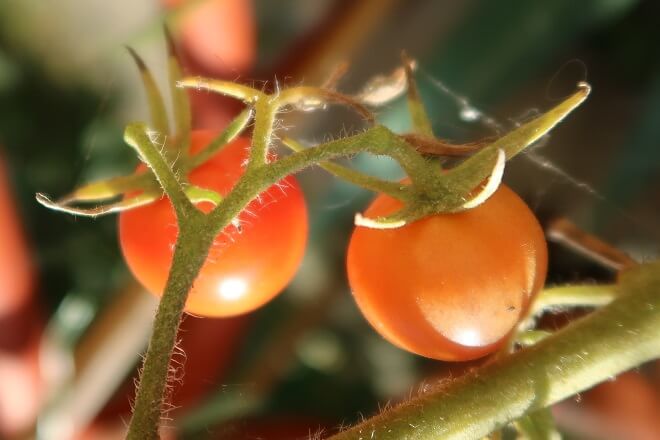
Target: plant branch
{"points": [[137, 136], [189, 254], [230, 133], [377, 140], [393, 189], [262, 134]]}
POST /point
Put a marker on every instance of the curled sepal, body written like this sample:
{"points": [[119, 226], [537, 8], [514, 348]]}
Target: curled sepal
{"points": [[154, 97], [414, 210], [109, 188], [492, 183], [122, 205], [389, 222]]}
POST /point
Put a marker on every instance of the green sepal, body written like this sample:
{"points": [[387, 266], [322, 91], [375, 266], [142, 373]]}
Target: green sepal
{"points": [[154, 97], [180, 100]]}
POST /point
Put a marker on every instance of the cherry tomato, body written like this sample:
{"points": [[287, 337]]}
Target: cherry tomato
{"points": [[246, 267], [449, 286]]}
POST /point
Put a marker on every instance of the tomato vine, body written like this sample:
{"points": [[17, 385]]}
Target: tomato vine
{"points": [[431, 190]]}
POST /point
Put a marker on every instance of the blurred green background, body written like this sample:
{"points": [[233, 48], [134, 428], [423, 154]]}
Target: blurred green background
{"points": [[307, 361]]}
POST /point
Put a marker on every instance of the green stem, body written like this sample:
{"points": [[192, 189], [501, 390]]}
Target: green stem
{"points": [[228, 134], [136, 135], [371, 183], [377, 140], [263, 132], [197, 230], [189, 255], [609, 341]]}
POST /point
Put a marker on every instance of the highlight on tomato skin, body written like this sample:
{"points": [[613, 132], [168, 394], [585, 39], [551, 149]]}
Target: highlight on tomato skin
{"points": [[450, 286], [245, 267]]}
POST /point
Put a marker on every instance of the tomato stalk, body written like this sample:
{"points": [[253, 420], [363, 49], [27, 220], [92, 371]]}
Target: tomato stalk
{"points": [[189, 255], [430, 191], [194, 224]]}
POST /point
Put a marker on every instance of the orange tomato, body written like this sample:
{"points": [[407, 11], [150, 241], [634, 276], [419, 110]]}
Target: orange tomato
{"points": [[449, 286]]}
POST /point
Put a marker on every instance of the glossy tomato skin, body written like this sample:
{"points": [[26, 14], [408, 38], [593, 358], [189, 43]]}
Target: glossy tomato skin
{"points": [[245, 268], [449, 286]]}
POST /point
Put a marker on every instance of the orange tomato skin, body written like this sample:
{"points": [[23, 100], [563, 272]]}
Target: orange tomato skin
{"points": [[244, 269], [450, 286]]}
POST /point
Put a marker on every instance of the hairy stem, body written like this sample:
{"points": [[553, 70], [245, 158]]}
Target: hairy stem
{"points": [[611, 340], [189, 255]]}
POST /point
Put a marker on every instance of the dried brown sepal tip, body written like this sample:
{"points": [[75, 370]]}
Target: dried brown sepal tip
{"points": [[335, 76], [433, 146]]}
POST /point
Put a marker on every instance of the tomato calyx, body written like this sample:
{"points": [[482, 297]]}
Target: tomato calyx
{"points": [[141, 188]]}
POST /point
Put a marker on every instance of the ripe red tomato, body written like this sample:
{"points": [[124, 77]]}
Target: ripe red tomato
{"points": [[244, 269], [450, 286]]}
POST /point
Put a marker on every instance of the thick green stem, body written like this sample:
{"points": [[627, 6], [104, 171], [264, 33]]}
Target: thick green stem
{"points": [[393, 189], [263, 132], [189, 255], [611, 340], [377, 140]]}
